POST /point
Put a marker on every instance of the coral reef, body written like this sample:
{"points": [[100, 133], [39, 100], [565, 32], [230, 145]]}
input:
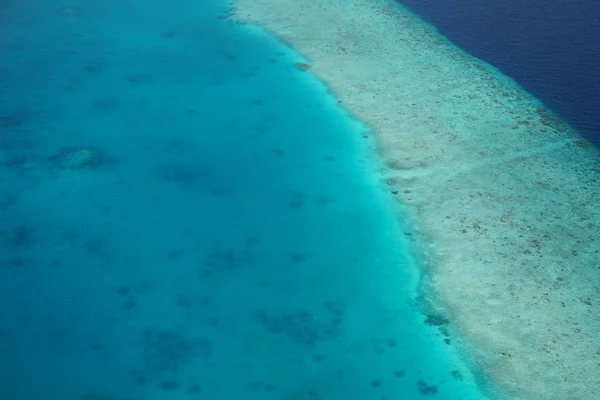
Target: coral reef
{"points": [[306, 328], [79, 158], [169, 350]]}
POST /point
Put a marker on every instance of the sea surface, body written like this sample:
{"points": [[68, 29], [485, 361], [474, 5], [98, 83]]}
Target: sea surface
{"points": [[187, 213], [550, 47]]}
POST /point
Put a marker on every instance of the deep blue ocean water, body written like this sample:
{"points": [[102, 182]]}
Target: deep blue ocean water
{"points": [[550, 47], [184, 214]]}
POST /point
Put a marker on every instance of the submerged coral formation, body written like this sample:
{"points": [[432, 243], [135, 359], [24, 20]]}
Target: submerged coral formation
{"points": [[79, 158]]}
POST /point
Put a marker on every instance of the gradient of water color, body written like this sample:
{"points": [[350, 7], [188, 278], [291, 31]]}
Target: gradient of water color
{"points": [[550, 47], [187, 214]]}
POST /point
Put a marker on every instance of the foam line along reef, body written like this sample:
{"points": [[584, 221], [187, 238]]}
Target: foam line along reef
{"points": [[503, 193]]}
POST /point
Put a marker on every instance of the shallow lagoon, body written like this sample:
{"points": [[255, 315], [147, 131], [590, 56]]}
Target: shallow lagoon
{"points": [[188, 214]]}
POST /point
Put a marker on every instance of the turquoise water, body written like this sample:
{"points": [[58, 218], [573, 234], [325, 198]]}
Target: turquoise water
{"points": [[187, 215]]}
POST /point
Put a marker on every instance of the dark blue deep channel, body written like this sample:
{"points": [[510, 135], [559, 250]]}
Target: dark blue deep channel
{"points": [[550, 47]]}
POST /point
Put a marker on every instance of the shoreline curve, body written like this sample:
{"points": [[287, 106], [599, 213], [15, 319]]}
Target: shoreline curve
{"points": [[499, 189]]}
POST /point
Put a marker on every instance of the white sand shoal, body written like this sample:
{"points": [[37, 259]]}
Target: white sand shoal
{"points": [[506, 194]]}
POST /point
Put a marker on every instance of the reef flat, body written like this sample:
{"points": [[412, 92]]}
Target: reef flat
{"points": [[503, 193]]}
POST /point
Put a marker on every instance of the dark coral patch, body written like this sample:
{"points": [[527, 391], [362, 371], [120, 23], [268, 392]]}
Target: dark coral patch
{"points": [[19, 237], [79, 158], [169, 350], [92, 68], [302, 66], [13, 120], [123, 290], [427, 390], [376, 383], [129, 305], [138, 78], [105, 104], [251, 241], [298, 258], [436, 320], [399, 374]]}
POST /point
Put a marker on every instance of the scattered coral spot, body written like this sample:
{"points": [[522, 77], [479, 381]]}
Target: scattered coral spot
{"points": [[79, 158], [302, 66], [425, 389]]}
